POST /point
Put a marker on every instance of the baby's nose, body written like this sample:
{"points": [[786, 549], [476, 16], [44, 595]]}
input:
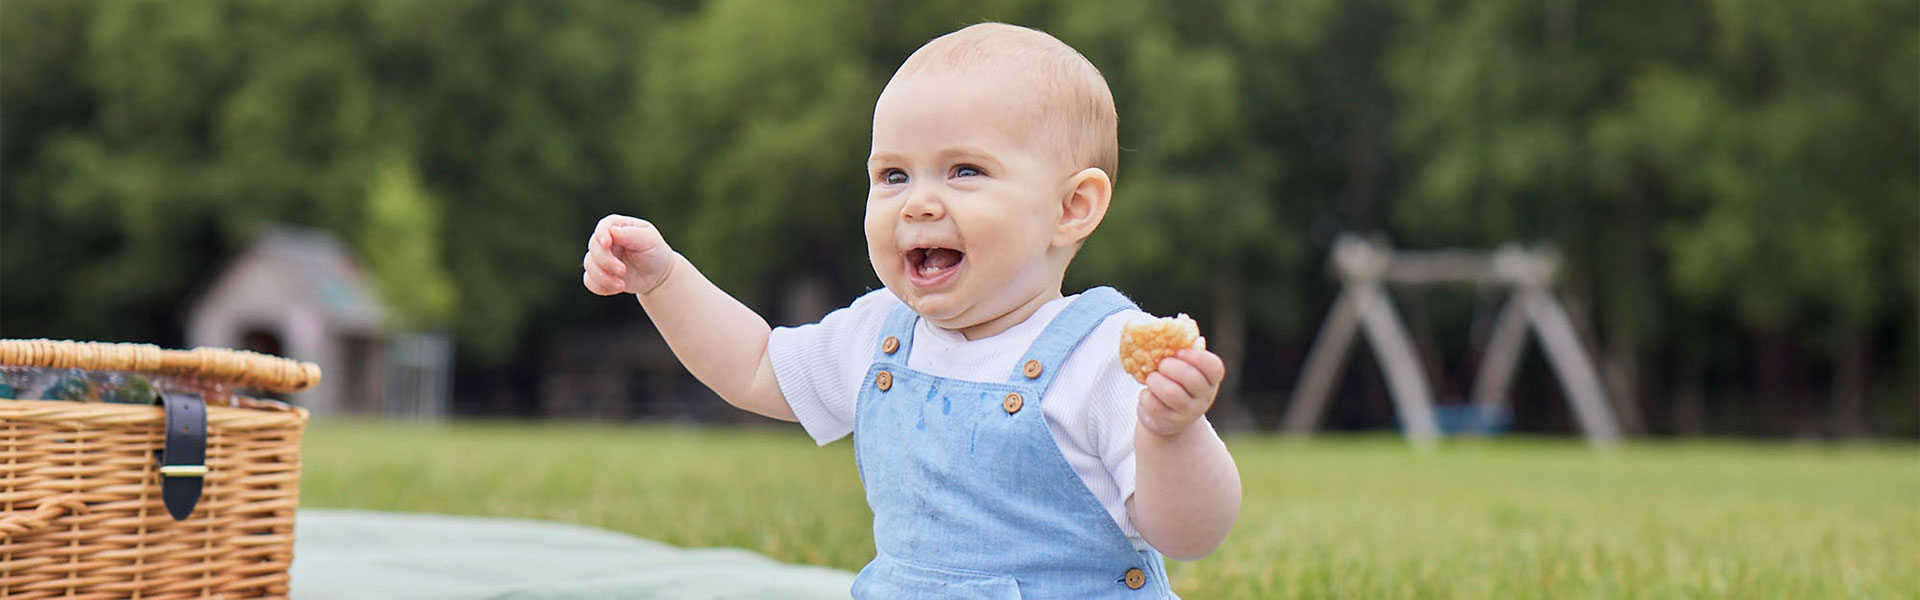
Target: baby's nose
{"points": [[923, 206]]}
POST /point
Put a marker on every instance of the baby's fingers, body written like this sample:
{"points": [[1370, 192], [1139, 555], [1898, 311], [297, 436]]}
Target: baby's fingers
{"points": [[605, 261], [1153, 413], [1207, 363], [1161, 416], [1189, 377], [635, 236], [603, 230], [599, 282], [1172, 395]]}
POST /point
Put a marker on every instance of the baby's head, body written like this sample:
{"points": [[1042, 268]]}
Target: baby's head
{"points": [[994, 149]]}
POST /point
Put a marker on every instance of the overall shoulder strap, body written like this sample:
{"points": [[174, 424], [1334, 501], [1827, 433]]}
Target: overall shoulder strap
{"points": [[1042, 360], [896, 335]]}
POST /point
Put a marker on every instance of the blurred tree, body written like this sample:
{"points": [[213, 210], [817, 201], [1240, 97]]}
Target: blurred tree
{"points": [[1753, 151], [181, 128], [749, 140], [511, 111], [401, 243], [1494, 101], [1715, 170], [109, 187], [1790, 142], [1211, 103], [40, 99]]}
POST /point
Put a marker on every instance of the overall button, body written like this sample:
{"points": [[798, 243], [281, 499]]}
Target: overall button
{"points": [[1012, 403], [1032, 369], [1135, 579], [890, 345], [884, 381]]}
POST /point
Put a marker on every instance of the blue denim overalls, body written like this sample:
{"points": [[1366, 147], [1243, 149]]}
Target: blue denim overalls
{"points": [[971, 497]]}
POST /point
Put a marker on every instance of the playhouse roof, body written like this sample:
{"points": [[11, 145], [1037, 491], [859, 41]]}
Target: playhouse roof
{"points": [[289, 268]]}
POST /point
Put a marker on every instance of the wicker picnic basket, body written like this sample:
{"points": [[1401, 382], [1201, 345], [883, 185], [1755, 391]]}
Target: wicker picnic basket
{"points": [[82, 483]]}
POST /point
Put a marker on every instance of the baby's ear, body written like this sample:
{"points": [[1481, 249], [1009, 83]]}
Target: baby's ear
{"points": [[1085, 204]]}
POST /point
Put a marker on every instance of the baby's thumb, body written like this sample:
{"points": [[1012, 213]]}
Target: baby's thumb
{"points": [[629, 238], [639, 245]]}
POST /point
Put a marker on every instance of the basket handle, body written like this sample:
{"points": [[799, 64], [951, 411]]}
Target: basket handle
{"points": [[236, 367], [54, 507]]}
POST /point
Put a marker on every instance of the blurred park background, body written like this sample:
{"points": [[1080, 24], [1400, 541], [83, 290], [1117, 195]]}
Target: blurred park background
{"points": [[1734, 184], [402, 191]]}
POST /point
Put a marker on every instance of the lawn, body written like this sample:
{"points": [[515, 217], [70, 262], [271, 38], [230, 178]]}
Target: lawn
{"points": [[1335, 518]]}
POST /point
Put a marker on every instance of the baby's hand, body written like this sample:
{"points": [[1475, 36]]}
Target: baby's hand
{"points": [[626, 254], [1181, 390]]}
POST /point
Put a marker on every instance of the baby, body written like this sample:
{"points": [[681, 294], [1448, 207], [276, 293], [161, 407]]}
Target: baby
{"points": [[1004, 451]]}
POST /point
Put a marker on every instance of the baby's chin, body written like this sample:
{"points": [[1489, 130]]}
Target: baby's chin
{"points": [[946, 309], [959, 305], [972, 317], [937, 307]]}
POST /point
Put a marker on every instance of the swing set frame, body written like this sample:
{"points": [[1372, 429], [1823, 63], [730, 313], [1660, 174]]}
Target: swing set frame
{"points": [[1367, 267]]}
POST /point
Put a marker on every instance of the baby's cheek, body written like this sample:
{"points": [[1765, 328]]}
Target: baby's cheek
{"points": [[878, 230], [879, 233]]}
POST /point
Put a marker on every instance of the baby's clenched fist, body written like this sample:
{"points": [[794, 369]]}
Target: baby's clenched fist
{"points": [[1180, 390], [625, 254]]}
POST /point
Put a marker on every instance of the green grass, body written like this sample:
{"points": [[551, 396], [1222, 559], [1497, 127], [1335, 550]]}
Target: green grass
{"points": [[1336, 518]]}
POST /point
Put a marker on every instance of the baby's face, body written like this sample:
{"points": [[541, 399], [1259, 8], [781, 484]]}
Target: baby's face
{"points": [[964, 198]]}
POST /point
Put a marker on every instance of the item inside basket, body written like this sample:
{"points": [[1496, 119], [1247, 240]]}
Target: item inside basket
{"points": [[120, 387]]}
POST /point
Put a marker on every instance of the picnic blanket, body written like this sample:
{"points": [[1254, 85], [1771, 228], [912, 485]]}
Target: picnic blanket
{"points": [[342, 554]]}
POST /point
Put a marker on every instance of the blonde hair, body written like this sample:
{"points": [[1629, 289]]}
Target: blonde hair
{"points": [[1076, 104]]}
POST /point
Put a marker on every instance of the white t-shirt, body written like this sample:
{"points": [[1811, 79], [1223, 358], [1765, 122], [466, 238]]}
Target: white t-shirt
{"points": [[1089, 407]]}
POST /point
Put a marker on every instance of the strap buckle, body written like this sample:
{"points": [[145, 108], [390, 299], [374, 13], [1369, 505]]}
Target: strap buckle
{"points": [[183, 460], [183, 470]]}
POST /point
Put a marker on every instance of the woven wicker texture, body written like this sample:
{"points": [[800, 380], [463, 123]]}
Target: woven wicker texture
{"points": [[236, 367], [81, 493]]}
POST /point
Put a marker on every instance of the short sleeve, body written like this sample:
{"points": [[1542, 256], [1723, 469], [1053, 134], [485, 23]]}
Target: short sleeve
{"points": [[819, 366], [1116, 400]]}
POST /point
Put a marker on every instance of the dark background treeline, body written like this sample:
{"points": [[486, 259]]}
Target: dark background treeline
{"points": [[1735, 184]]}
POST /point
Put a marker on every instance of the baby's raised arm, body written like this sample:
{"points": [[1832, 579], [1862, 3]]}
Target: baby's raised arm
{"points": [[720, 340]]}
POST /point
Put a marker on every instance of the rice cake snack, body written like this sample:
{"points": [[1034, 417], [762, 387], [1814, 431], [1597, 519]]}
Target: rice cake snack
{"points": [[1144, 344]]}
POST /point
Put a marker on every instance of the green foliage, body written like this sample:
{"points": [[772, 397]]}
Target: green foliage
{"points": [[401, 243], [1753, 159], [1338, 518], [1797, 154], [1495, 103], [749, 139], [177, 130], [1704, 162]]}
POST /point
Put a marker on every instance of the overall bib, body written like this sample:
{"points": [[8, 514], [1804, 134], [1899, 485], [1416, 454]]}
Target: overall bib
{"points": [[971, 497]]}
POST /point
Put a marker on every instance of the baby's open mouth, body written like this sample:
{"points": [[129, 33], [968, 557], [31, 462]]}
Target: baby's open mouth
{"points": [[931, 262]]}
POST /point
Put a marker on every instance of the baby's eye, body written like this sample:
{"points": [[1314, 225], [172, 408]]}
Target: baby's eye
{"points": [[967, 171], [893, 177]]}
